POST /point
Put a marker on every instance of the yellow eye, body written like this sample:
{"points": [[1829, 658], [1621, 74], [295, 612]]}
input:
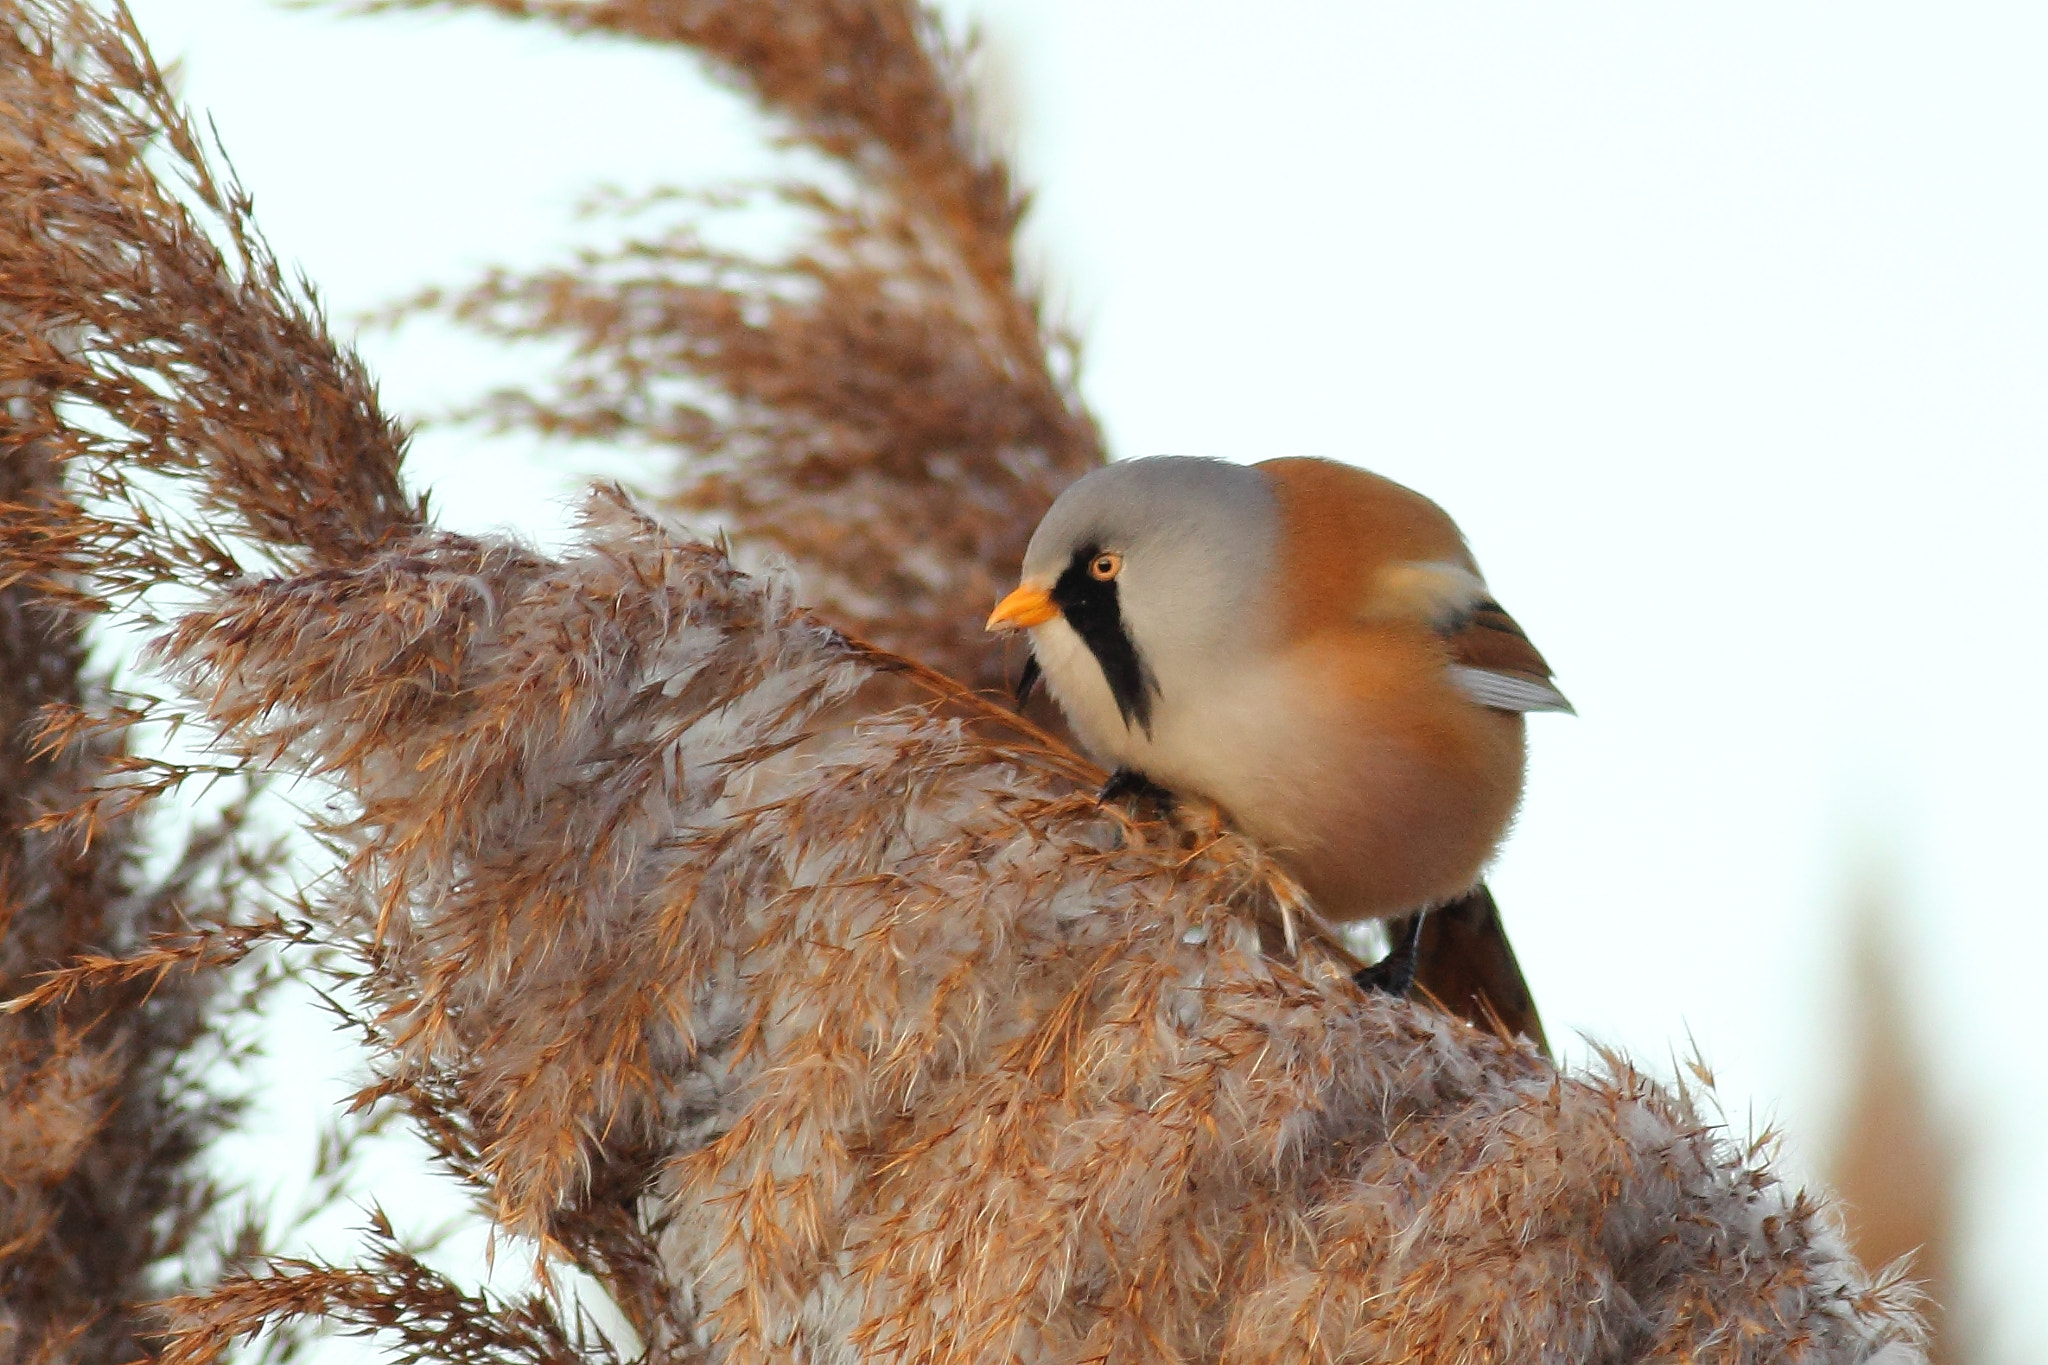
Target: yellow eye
{"points": [[1106, 566]]}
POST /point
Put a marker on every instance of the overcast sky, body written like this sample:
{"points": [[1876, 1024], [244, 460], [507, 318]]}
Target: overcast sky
{"points": [[1721, 330]]}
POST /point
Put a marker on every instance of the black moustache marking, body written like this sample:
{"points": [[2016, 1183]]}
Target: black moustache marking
{"points": [[1091, 608], [1027, 681]]}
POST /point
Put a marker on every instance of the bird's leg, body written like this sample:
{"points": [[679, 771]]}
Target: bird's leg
{"points": [[1394, 974], [1142, 790]]}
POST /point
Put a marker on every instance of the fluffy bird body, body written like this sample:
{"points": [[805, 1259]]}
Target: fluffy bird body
{"points": [[1306, 644]]}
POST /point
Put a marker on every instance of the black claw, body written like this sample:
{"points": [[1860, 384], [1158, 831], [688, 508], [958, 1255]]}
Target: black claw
{"points": [[1394, 974], [1140, 789]]}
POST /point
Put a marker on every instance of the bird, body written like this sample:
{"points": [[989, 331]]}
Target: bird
{"points": [[1310, 646]]}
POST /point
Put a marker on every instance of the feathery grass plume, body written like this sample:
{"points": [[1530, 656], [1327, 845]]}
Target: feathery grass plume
{"points": [[872, 1034], [427, 1316], [105, 1100], [127, 978], [942, 1060], [197, 423], [165, 315], [885, 405]]}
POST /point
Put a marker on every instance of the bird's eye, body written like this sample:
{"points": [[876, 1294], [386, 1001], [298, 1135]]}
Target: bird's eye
{"points": [[1105, 566]]}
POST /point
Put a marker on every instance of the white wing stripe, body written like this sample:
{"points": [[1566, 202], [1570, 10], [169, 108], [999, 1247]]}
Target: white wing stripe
{"points": [[1507, 691]]}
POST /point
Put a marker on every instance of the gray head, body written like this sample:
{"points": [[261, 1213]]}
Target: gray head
{"points": [[1156, 565]]}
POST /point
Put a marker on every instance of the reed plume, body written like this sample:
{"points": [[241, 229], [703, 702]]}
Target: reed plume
{"points": [[809, 1021], [886, 405], [937, 1059], [111, 1053]]}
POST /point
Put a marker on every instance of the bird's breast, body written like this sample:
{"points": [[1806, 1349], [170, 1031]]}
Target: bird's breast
{"points": [[1354, 760]]}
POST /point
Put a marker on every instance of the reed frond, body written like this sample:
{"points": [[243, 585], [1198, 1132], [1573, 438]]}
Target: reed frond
{"points": [[885, 405], [809, 1027]]}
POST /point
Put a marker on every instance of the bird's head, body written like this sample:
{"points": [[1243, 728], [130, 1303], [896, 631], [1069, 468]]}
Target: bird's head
{"points": [[1142, 577]]}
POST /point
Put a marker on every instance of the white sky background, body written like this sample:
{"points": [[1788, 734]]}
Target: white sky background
{"points": [[1721, 330]]}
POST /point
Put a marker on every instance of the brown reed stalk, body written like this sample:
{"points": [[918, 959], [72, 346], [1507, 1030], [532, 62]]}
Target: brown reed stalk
{"points": [[810, 1030], [1896, 1165]]}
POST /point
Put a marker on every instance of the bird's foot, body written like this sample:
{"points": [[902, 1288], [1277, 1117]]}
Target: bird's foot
{"points": [[1140, 790], [1394, 974]]}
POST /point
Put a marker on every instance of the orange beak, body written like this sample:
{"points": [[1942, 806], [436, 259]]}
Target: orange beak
{"points": [[1029, 606]]}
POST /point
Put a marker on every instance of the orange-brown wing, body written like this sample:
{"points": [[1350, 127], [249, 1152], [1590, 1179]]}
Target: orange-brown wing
{"points": [[1495, 665]]}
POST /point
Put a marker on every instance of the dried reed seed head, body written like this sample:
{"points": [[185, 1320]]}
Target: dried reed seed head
{"points": [[115, 303], [945, 1060], [884, 408], [98, 1131], [937, 1059], [877, 84], [203, 363]]}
